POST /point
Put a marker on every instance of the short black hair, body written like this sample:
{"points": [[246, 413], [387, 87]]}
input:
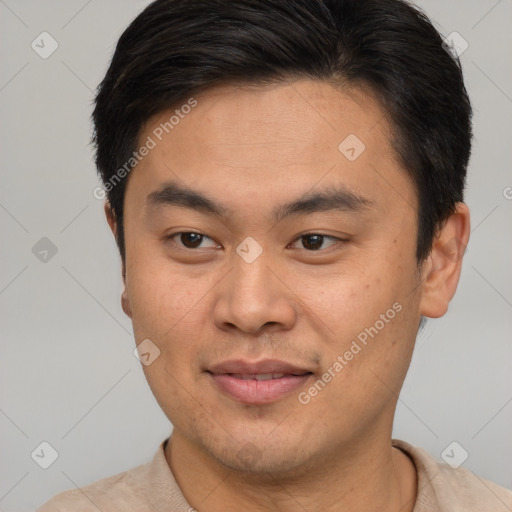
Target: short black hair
{"points": [[176, 48]]}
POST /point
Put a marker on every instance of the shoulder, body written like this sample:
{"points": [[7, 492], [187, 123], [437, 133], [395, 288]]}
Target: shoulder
{"points": [[444, 488], [124, 491]]}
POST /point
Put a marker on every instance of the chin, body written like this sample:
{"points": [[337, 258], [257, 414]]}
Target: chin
{"points": [[261, 458]]}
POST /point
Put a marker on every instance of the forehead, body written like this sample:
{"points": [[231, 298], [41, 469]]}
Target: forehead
{"points": [[285, 137], [287, 118]]}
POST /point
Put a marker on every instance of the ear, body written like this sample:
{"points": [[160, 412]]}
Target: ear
{"points": [[440, 272], [112, 222]]}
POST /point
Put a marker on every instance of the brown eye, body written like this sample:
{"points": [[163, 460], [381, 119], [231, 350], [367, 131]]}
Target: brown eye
{"points": [[314, 241], [190, 240]]}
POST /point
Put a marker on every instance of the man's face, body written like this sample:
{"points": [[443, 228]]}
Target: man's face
{"points": [[222, 307]]}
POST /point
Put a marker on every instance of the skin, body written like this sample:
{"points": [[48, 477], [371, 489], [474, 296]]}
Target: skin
{"points": [[252, 148]]}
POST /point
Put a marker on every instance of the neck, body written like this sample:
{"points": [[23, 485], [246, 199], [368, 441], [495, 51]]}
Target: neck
{"points": [[367, 476]]}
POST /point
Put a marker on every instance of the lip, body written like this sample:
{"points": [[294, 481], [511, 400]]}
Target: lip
{"points": [[236, 378]]}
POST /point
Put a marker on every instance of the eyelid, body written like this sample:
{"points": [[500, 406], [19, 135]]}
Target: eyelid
{"points": [[296, 239], [324, 235], [171, 237]]}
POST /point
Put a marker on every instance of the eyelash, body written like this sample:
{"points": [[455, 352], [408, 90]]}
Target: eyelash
{"points": [[324, 237]]}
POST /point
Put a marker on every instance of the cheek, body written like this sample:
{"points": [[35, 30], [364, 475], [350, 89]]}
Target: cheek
{"points": [[164, 299], [349, 300], [169, 308], [365, 367], [372, 316]]}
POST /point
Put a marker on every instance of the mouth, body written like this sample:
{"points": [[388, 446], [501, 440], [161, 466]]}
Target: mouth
{"points": [[261, 376], [258, 383]]}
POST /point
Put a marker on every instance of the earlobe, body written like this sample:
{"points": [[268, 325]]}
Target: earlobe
{"points": [[441, 270], [125, 303], [125, 300], [111, 219]]}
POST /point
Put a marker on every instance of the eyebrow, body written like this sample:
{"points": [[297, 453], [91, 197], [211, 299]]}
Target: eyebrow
{"points": [[333, 198]]}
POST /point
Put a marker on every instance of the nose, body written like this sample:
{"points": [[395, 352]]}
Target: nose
{"points": [[254, 297]]}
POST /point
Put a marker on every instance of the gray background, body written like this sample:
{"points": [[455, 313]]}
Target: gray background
{"points": [[67, 372]]}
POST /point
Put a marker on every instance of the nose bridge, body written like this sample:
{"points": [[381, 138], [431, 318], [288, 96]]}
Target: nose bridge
{"points": [[252, 278], [252, 296]]}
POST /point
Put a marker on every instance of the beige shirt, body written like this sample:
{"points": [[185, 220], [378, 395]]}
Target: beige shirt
{"points": [[151, 487]]}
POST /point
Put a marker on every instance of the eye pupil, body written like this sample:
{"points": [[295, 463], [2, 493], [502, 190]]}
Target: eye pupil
{"points": [[191, 240], [316, 244]]}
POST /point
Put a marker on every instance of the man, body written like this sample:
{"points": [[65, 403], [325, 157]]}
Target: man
{"points": [[285, 184]]}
